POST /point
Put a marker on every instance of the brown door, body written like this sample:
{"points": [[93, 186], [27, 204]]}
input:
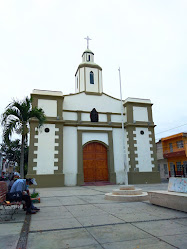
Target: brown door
{"points": [[95, 162]]}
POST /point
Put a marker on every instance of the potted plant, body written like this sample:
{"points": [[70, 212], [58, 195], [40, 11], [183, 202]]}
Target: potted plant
{"points": [[35, 197]]}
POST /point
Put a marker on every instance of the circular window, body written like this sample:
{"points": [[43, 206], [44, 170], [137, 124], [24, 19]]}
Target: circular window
{"points": [[46, 129], [141, 132]]}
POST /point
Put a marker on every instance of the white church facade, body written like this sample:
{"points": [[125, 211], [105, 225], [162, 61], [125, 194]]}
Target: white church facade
{"points": [[81, 140]]}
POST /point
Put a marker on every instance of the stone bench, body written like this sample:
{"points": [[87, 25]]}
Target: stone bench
{"points": [[175, 197]]}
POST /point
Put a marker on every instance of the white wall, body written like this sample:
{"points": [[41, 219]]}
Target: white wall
{"points": [[143, 150], [118, 155], [77, 85], [86, 117], [81, 80], [70, 155], [49, 107], [46, 150], [117, 118], [100, 81], [47, 92], [102, 118], [85, 102], [90, 136], [137, 100], [85, 57], [159, 151], [140, 114], [125, 117], [92, 87], [69, 116]]}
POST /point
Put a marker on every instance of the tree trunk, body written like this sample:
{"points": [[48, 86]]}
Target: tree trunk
{"points": [[22, 157]]}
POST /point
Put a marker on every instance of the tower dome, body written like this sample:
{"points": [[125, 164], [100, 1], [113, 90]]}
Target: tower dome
{"points": [[88, 77]]}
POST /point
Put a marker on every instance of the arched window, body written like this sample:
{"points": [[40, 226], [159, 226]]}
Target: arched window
{"points": [[88, 57], [91, 77]]}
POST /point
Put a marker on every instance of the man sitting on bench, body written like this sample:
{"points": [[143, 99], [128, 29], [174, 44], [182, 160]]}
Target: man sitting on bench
{"points": [[21, 186]]}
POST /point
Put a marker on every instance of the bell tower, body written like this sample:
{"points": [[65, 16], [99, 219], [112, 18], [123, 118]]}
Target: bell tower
{"points": [[88, 77]]}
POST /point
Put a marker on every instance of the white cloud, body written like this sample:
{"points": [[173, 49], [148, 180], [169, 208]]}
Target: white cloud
{"points": [[42, 43]]}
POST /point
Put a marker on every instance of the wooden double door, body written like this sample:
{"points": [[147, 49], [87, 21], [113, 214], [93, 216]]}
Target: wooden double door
{"points": [[95, 162]]}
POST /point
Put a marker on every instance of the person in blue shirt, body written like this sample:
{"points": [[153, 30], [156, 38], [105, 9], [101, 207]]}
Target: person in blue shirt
{"points": [[15, 176], [21, 186]]}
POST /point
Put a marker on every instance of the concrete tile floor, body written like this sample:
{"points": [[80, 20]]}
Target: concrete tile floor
{"points": [[61, 239], [150, 243], [79, 217], [9, 241], [162, 227]]}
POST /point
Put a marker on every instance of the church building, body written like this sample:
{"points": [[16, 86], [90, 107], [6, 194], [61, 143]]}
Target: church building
{"points": [[82, 139]]}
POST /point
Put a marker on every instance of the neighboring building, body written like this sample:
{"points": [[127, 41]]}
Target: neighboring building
{"points": [[162, 162], [175, 151], [81, 140]]}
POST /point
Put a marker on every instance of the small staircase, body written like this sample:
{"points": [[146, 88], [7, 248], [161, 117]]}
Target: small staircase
{"points": [[127, 193], [99, 183]]}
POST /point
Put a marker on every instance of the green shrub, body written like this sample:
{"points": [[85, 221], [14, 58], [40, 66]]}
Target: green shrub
{"points": [[34, 195]]}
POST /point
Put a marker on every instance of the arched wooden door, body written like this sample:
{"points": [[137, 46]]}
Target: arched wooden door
{"points": [[95, 162]]}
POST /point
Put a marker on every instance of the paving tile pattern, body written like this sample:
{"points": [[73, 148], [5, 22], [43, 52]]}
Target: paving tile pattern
{"points": [[79, 217]]}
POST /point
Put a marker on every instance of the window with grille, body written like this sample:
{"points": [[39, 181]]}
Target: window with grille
{"points": [[185, 168], [165, 169], [179, 166], [172, 169], [180, 144], [170, 147]]}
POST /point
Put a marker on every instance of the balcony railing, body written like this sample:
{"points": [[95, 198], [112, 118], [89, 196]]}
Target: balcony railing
{"points": [[174, 154], [179, 173]]}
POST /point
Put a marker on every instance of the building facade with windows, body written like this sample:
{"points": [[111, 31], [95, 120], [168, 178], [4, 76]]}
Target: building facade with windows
{"points": [[175, 151], [162, 162], [82, 140]]}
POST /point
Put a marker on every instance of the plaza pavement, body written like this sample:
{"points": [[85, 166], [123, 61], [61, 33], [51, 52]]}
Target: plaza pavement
{"points": [[79, 217]]}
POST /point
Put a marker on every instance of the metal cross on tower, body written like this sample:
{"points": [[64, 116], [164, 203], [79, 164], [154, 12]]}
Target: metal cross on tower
{"points": [[87, 38]]}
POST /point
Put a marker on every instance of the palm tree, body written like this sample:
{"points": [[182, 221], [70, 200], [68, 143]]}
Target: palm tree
{"points": [[12, 152], [16, 119]]}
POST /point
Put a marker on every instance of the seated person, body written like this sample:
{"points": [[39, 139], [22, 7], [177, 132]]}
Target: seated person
{"points": [[20, 187], [15, 176], [28, 192], [3, 176]]}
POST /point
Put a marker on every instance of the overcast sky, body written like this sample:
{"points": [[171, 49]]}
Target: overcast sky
{"points": [[42, 41]]}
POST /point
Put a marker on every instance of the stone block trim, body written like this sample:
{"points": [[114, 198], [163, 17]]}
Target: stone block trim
{"points": [[33, 148], [127, 149], [59, 99], [132, 149], [58, 155], [129, 111], [153, 149]]}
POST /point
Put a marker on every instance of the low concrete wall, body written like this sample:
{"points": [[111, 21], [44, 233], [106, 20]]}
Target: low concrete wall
{"points": [[168, 199], [47, 181], [177, 184], [143, 177]]}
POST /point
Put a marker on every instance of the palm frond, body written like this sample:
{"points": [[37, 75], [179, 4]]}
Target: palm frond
{"points": [[10, 114], [26, 108], [9, 128], [39, 114]]}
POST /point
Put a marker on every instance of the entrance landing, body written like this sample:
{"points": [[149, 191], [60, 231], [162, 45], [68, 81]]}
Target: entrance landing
{"points": [[100, 183]]}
